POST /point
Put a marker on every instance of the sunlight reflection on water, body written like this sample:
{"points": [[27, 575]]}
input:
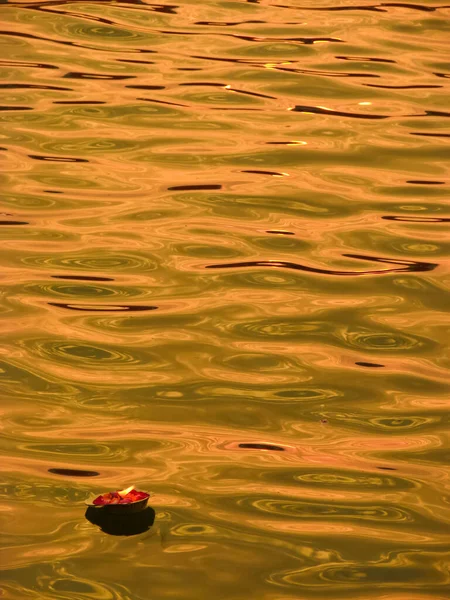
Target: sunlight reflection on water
{"points": [[225, 280]]}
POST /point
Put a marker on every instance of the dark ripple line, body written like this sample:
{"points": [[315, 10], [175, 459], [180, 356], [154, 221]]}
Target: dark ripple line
{"points": [[258, 172], [423, 182], [260, 64], [82, 277], [251, 93], [14, 223], [222, 108], [167, 9], [301, 40], [410, 265], [412, 6], [403, 87], [407, 266], [30, 86], [79, 102], [261, 446], [374, 7], [226, 23], [114, 308], [417, 219], [73, 472], [319, 110], [434, 113], [256, 38], [146, 87], [243, 61], [186, 188], [26, 64], [366, 59], [438, 135], [368, 364], [325, 73], [202, 83], [16, 108], [335, 113], [79, 75], [139, 62], [58, 159], [162, 102]]}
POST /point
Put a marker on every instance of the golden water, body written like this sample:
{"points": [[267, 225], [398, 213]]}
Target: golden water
{"points": [[224, 238]]}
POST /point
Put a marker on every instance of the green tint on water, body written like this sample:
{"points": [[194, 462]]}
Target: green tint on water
{"points": [[224, 232]]}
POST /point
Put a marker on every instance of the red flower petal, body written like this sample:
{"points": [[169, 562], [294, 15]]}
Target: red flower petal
{"points": [[115, 498]]}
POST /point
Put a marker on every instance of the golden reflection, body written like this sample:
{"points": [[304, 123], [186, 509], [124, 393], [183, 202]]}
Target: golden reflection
{"points": [[20, 556], [177, 548], [275, 65], [287, 408]]}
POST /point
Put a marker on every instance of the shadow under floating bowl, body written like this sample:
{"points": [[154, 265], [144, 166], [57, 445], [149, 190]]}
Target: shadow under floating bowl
{"points": [[121, 523]]}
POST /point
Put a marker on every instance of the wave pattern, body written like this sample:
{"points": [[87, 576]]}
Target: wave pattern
{"points": [[225, 276]]}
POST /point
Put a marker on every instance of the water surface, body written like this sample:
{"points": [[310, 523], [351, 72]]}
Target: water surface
{"points": [[224, 241]]}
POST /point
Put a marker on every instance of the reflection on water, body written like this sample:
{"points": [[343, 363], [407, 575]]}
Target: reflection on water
{"points": [[225, 281], [133, 524]]}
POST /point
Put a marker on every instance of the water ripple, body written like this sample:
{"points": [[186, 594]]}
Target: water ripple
{"points": [[225, 281], [408, 266]]}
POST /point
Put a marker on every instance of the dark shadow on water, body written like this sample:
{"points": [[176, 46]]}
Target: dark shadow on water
{"points": [[261, 446], [417, 219], [14, 223], [403, 266], [57, 158], [73, 472], [133, 524], [318, 110], [104, 308], [82, 277], [186, 188], [422, 182], [368, 364]]}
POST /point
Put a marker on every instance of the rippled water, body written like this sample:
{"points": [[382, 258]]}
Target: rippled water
{"points": [[224, 239]]}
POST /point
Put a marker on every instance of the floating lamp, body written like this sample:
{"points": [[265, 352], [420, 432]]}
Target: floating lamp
{"points": [[123, 502]]}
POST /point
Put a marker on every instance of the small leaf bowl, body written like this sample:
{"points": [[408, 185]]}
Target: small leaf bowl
{"points": [[126, 508]]}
